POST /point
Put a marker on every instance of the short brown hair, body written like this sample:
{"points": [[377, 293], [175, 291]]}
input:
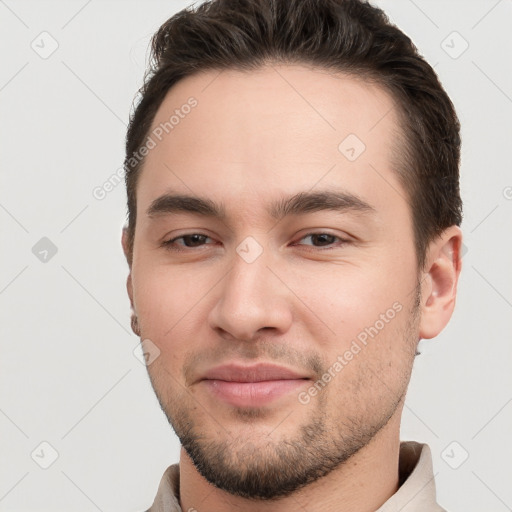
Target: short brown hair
{"points": [[349, 36]]}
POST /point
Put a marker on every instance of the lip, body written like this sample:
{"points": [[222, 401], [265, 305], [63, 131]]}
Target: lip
{"points": [[252, 386], [253, 373]]}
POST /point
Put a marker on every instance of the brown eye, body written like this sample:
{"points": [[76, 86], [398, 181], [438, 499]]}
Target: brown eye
{"points": [[189, 241], [321, 240]]}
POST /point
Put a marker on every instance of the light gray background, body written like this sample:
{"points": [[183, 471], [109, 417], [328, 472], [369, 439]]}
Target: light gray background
{"points": [[68, 373]]}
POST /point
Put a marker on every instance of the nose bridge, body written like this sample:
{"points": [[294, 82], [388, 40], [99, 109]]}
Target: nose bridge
{"points": [[250, 297]]}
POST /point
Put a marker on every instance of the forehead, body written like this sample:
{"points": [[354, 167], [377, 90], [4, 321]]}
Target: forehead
{"points": [[242, 136]]}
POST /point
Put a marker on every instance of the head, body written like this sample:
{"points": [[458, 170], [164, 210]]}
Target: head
{"points": [[293, 201]]}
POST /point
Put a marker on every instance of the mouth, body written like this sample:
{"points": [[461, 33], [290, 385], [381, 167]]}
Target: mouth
{"points": [[252, 386]]}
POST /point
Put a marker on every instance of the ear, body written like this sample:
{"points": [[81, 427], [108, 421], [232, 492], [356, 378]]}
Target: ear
{"points": [[126, 248], [439, 283], [128, 256]]}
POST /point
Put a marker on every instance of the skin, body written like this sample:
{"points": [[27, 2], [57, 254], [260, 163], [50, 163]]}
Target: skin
{"points": [[252, 139]]}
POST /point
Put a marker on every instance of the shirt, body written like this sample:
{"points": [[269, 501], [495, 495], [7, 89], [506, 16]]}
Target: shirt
{"points": [[416, 492]]}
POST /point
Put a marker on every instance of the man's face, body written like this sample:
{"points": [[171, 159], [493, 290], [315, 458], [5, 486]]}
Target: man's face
{"points": [[250, 310]]}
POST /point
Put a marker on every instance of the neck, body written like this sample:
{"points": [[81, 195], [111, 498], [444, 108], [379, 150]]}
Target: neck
{"points": [[363, 484]]}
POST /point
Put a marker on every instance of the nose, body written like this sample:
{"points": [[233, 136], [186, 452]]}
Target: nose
{"points": [[251, 299]]}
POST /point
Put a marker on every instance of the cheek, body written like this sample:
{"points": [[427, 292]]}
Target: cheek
{"points": [[163, 296], [367, 311], [160, 284], [349, 298], [375, 368]]}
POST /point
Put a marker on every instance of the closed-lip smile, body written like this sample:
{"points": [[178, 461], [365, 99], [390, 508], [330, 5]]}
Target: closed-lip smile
{"points": [[251, 385], [253, 373]]}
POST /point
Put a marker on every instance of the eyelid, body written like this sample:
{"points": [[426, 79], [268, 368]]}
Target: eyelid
{"points": [[168, 242], [171, 244], [341, 240]]}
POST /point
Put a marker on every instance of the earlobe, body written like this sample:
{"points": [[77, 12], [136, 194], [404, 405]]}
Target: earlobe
{"points": [[129, 284], [134, 320], [439, 287]]}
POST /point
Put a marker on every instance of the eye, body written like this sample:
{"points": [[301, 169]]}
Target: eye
{"points": [[324, 239], [189, 241], [195, 240]]}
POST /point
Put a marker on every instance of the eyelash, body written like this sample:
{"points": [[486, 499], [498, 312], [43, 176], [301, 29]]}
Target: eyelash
{"points": [[170, 244]]}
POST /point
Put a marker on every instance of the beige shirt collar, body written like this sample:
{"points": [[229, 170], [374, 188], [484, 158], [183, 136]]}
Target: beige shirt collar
{"points": [[417, 493]]}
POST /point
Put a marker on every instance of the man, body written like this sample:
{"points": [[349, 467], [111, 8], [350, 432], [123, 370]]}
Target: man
{"points": [[293, 232]]}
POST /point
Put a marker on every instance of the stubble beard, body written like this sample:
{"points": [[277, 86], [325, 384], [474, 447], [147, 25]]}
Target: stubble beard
{"points": [[270, 466]]}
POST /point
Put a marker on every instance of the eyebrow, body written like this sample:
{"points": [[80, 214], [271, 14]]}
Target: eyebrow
{"points": [[297, 204]]}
